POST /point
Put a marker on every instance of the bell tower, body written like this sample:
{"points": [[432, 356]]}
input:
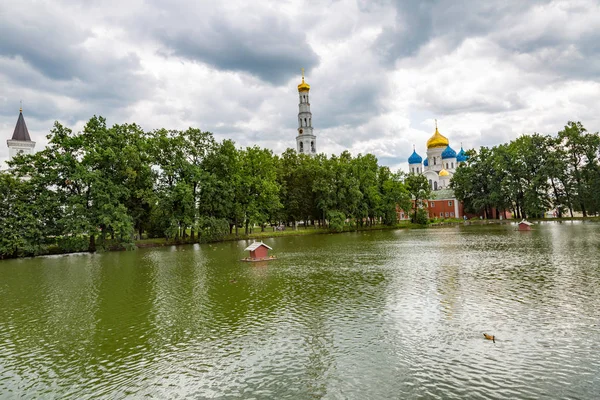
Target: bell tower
{"points": [[21, 142], [306, 141]]}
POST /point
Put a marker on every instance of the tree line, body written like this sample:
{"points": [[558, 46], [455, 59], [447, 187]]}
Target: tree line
{"points": [[115, 184], [532, 174]]}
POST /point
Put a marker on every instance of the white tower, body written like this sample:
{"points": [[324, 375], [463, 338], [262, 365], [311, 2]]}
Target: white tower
{"points": [[306, 141], [21, 142]]}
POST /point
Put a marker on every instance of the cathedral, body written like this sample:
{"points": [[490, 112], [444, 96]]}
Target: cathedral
{"points": [[438, 167], [441, 161]]}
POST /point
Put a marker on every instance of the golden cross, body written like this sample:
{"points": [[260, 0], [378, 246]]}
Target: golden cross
{"points": [[302, 73], [436, 124]]}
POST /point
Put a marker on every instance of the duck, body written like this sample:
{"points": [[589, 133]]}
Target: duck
{"points": [[490, 337]]}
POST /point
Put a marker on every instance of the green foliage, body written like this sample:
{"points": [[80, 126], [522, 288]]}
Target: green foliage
{"points": [[420, 191], [213, 229], [533, 174], [337, 221], [421, 217], [71, 244], [106, 186]]}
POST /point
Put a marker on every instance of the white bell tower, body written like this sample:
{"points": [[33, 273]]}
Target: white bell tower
{"points": [[306, 141], [21, 142]]}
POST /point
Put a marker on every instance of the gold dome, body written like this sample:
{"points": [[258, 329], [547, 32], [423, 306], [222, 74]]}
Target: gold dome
{"points": [[303, 87], [437, 140], [444, 173]]}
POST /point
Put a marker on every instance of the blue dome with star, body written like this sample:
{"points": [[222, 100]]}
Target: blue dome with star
{"points": [[415, 158], [448, 153]]}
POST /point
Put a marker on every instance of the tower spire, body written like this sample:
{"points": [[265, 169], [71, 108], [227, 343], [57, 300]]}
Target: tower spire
{"points": [[21, 107]]}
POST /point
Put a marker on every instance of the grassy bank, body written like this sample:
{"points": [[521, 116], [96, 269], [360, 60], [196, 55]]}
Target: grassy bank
{"points": [[111, 245], [269, 233]]}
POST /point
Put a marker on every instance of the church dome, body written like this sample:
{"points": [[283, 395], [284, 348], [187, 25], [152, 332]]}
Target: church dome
{"points": [[448, 153], [444, 173], [437, 140], [426, 163], [461, 156], [415, 158], [303, 87]]}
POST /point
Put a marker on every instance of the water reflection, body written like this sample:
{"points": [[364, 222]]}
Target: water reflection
{"points": [[366, 315]]}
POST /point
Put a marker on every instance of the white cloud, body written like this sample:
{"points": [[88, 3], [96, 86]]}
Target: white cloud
{"points": [[380, 71]]}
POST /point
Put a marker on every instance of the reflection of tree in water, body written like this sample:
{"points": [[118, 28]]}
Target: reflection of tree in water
{"points": [[448, 288]]}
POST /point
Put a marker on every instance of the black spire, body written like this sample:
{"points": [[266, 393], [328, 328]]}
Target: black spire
{"points": [[21, 133]]}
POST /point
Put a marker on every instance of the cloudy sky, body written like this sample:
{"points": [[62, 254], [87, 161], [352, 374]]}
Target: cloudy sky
{"points": [[380, 71]]}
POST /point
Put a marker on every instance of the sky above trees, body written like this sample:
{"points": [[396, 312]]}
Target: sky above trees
{"points": [[380, 71]]}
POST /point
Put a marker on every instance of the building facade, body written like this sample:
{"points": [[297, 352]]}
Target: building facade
{"points": [[306, 141]]}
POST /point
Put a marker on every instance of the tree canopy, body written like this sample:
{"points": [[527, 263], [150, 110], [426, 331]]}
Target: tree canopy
{"points": [[107, 185]]}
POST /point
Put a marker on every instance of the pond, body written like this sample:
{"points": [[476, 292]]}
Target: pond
{"points": [[381, 314]]}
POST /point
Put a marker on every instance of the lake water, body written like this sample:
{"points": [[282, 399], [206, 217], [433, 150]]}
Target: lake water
{"points": [[377, 315]]}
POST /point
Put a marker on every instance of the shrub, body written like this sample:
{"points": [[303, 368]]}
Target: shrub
{"points": [[337, 220]]}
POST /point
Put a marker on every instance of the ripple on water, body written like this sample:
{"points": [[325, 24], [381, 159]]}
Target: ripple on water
{"points": [[371, 315]]}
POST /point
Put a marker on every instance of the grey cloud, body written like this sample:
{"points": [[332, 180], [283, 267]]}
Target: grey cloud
{"points": [[447, 104], [419, 22], [350, 102], [43, 50], [262, 44]]}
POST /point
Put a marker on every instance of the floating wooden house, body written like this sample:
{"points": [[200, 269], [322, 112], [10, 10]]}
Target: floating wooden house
{"points": [[525, 225], [258, 252]]}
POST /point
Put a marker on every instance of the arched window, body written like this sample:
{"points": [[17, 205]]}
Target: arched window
{"points": [[434, 185], [305, 123], [312, 146], [452, 164], [446, 165], [430, 184], [434, 161], [301, 147], [310, 122], [417, 170]]}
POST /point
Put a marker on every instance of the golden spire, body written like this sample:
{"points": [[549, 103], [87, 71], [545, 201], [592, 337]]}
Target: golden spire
{"points": [[303, 87]]}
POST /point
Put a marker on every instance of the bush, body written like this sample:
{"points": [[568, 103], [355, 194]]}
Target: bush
{"points": [[337, 220], [421, 217], [72, 244], [211, 229]]}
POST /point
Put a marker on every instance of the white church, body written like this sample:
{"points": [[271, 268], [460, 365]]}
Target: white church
{"points": [[441, 161]]}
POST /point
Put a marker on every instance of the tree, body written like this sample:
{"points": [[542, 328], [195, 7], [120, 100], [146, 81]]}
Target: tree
{"points": [[420, 191]]}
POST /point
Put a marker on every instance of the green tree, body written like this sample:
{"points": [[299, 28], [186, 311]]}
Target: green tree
{"points": [[420, 191]]}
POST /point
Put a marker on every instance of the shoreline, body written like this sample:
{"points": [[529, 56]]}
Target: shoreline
{"points": [[162, 242]]}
